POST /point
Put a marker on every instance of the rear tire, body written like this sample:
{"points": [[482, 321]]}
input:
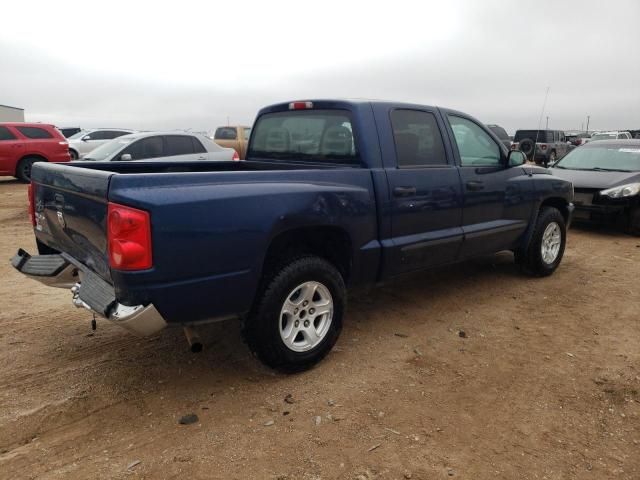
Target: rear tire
{"points": [[23, 170], [288, 334], [73, 154], [546, 246], [526, 147]]}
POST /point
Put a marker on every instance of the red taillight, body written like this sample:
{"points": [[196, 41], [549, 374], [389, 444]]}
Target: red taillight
{"points": [[543, 146], [514, 146], [300, 105], [32, 203], [235, 157], [129, 238]]}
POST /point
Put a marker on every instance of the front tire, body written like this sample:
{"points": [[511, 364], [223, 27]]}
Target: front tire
{"points": [[547, 243], [297, 317]]}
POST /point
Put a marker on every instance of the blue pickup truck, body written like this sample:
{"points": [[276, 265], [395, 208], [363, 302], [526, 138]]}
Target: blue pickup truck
{"points": [[332, 195]]}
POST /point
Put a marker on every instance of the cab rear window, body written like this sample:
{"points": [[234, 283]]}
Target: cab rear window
{"points": [[305, 135]]}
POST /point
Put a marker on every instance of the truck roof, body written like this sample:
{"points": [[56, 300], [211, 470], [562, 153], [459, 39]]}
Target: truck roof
{"points": [[342, 103]]}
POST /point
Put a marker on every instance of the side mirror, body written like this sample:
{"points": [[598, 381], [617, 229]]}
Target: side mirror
{"points": [[516, 158], [125, 157], [86, 137]]}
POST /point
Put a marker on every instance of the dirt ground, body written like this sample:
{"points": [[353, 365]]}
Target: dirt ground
{"points": [[544, 386]]}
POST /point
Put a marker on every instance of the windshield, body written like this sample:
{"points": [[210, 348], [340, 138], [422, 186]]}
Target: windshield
{"points": [[604, 136], [304, 135], [618, 158], [105, 151]]}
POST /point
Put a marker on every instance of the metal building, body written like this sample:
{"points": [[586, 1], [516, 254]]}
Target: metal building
{"points": [[11, 114]]}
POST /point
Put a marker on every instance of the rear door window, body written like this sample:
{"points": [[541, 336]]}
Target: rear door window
{"points": [[5, 134], [305, 135], [417, 139], [197, 146], [34, 132], [225, 133], [177, 145]]}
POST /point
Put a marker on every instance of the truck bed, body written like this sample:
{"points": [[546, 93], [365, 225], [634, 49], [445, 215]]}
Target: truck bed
{"points": [[208, 235]]}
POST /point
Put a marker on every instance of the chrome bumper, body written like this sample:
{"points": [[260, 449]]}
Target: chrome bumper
{"points": [[57, 271]]}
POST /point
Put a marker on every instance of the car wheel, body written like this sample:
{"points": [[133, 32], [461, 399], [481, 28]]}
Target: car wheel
{"points": [[546, 245], [297, 317], [634, 221], [73, 154], [23, 171]]}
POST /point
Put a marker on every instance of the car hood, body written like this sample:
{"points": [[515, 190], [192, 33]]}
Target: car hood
{"points": [[595, 179]]}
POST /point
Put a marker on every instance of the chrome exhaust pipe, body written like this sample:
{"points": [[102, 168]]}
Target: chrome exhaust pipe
{"points": [[195, 344]]}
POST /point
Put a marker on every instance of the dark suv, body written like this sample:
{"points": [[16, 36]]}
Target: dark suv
{"points": [[502, 134], [550, 145]]}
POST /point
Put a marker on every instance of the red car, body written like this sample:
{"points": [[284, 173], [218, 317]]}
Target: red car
{"points": [[23, 144]]}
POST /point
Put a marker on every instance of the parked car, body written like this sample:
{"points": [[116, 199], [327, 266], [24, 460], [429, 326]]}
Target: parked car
{"points": [[181, 146], [502, 134], [606, 178], [615, 135], [69, 131], [23, 144], [541, 146], [333, 194], [577, 138], [233, 137], [88, 140]]}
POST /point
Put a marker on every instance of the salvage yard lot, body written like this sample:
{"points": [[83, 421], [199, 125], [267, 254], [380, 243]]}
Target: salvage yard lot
{"points": [[543, 383]]}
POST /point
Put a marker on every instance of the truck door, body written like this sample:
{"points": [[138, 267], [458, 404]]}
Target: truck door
{"points": [[424, 187], [497, 198]]}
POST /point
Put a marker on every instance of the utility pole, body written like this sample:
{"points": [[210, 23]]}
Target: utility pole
{"points": [[547, 127], [588, 118]]}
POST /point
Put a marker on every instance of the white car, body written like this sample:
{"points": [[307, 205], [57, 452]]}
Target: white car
{"points": [[615, 135], [161, 146], [85, 141]]}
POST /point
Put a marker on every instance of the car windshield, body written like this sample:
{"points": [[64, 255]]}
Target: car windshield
{"points": [[604, 136], [105, 151], [614, 158]]}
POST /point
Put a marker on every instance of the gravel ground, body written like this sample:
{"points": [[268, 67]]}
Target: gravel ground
{"points": [[543, 384]]}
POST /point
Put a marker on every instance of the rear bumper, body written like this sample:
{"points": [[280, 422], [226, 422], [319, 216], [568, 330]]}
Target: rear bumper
{"points": [[89, 291]]}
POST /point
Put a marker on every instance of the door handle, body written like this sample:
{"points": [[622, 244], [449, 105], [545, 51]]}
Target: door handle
{"points": [[202, 157], [404, 191], [474, 186]]}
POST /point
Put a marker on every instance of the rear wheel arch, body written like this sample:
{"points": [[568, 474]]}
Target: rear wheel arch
{"points": [[329, 242]]}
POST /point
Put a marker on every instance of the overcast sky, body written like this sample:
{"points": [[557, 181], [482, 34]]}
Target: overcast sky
{"points": [[193, 64]]}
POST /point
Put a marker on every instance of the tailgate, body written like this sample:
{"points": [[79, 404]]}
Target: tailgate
{"points": [[71, 211]]}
